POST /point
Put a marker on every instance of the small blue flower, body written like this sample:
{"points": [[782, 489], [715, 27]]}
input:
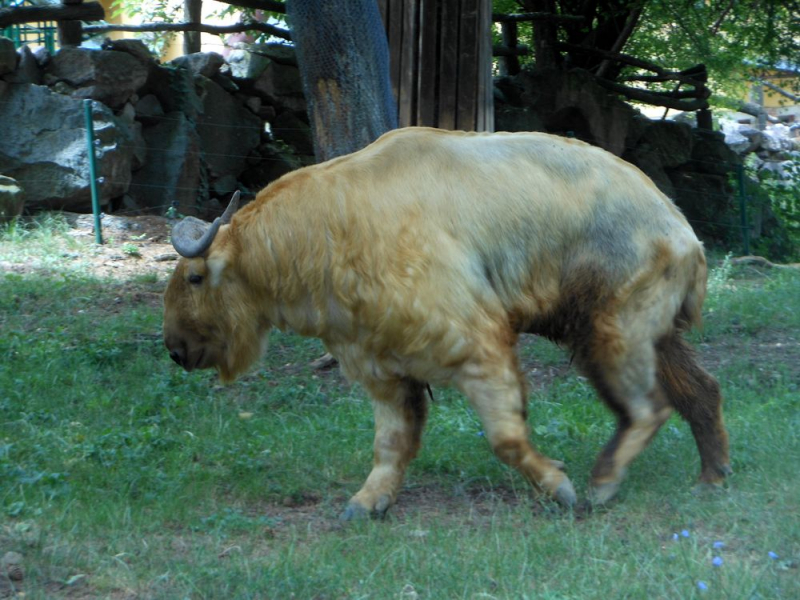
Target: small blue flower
{"points": [[772, 555], [718, 544], [675, 536], [481, 434], [717, 561], [685, 533], [702, 585]]}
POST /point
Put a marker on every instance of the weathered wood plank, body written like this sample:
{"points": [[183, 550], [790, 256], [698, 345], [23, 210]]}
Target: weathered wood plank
{"points": [[409, 57], [428, 64], [448, 64], [467, 100]]}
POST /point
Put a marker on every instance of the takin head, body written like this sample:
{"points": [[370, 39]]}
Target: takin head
{"points": [[210, 316]]}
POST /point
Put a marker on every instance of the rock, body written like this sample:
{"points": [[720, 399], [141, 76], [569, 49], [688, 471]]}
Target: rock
{"points": [[175, 89], [272, 162], [206, 64], [106, 76], [280, 84], [28, 70], [294, 131], [228, 131], [224, 185], [149, 109], [12, 566], [8, 56], [12, 199], [173, 174], [248, 61], [46, 149], [660, 145], [43, 57], [710, 153], [135, 48], [253, 103], [569, 103]]}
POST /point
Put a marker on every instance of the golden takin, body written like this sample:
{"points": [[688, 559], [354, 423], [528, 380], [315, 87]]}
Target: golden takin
{"points": [[421, 258]]}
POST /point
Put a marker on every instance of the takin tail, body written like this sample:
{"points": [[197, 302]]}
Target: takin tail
{"points": [[691, 311]]}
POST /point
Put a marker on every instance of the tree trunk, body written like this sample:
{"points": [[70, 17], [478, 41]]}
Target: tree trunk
{"points": [[192, 13], [344, 65]]}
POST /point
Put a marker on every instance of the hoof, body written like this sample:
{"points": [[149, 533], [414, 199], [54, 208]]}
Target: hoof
{"points": [[602, 494], [565, 494], [354, 511]]}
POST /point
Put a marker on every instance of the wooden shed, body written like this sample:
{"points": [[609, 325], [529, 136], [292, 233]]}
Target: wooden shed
{"points": [[441, 62]]}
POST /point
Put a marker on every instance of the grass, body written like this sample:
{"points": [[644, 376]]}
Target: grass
{"points": [[124, 477]]}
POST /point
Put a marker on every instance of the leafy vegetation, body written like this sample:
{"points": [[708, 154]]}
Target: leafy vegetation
{"points": [[123, 476]]}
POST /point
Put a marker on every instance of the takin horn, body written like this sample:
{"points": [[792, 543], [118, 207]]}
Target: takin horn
{"points": [[191, 237]]}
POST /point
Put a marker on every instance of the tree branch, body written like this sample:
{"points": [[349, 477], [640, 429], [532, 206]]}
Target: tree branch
{"points": [[215, 29], [538, 16], [778, 89], [665, 99]]}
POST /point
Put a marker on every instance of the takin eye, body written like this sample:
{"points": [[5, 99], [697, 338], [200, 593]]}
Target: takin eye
{"points": [[195, 279]]}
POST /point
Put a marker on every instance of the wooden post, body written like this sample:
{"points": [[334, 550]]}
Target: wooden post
{"points": [[441, 62], [192, 13], [509, 65], [70, 33]]}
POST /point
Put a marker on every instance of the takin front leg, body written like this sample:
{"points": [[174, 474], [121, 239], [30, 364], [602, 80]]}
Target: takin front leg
{"points": [[400, 410], [496, 390], [696, 396]]}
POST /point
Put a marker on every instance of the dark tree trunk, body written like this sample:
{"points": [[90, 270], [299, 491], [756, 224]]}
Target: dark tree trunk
{"points": [[344, 65], [192, 13]]}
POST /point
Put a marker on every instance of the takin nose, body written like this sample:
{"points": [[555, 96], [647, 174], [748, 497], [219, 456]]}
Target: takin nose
{"points": [[177, 352], [178, 356]]}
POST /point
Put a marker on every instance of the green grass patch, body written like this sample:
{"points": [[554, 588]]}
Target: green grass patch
{"points": [[122, 476]]}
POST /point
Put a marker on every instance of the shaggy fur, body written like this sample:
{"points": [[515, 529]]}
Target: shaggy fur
{"points": [[422, 257]]}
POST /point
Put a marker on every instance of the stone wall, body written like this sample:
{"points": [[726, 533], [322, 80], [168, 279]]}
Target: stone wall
{"points": [[184, 134], [188, 133], [691, 166]]}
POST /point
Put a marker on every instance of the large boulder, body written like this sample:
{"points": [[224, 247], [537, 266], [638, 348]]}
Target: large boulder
{"points": [[12, 199], [206, 64], [566, 103], [46, 150], [104, 75], [28, 70], [228, 131], [174, 175], [270, 70], [8, 56]]}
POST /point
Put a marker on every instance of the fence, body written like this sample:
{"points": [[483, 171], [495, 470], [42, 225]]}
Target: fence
{"points": [[33, 34], [742, 228]]}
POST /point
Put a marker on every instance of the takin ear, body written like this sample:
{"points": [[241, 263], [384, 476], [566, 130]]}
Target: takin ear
{"points": [[217, 262]]}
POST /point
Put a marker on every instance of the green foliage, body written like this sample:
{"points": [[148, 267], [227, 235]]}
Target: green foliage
{"points": [[725, 36], [150, 11], [735, 40]]}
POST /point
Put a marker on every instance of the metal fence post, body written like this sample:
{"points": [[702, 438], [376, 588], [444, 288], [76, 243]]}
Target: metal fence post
{"points": [[98, 234], [743, 210]]}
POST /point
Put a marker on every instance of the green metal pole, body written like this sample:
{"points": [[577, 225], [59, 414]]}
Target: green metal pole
{"points": [[98, 233], [743, 210]]}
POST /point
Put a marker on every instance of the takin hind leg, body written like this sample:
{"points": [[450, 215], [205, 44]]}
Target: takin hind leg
{"points": [[496, 390], [696, 396], [624, 375], [400, 409]]}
